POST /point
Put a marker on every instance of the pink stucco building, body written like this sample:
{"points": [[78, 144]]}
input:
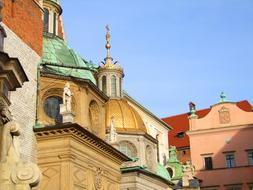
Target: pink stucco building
{"points": [[222, 147]]}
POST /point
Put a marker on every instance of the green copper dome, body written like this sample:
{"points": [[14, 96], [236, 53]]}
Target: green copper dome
{"points": [[59, 59], [162, 172]]}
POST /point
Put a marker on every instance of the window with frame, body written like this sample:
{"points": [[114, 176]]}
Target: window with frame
{"points": [[230, 160], [250, 185], [104, 85], [210, 188], [180, 135], [128, 149], [208, 162], [250, 158], [55, 24], [46, 20], [233, 187], [52, 108], [113, 83]]}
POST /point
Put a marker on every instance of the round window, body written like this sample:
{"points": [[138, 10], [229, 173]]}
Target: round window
{"points": [[52, 108]]}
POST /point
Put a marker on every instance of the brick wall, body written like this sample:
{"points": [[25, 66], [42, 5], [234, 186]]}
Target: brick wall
{"points": [[24, 17]]}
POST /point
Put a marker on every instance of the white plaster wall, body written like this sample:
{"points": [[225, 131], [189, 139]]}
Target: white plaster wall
{"points": [[23, 100]]}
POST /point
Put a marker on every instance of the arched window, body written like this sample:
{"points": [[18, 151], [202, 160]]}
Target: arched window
{"points": [[104, 86], [94, 117], [128, 149], [170, 172], [55, 24], [52, 108], [46, 20], [113, 83]]}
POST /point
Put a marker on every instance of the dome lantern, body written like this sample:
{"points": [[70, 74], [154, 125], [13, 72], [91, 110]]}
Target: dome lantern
{"points": [[109, 75]]}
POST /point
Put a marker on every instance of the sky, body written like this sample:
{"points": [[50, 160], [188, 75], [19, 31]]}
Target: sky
{"points": [[172, 51]]}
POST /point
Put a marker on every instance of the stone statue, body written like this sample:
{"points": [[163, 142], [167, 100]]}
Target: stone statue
{"points": [[173, 154], [8, 133], [188, 173], [112, 137], [67, 97]]}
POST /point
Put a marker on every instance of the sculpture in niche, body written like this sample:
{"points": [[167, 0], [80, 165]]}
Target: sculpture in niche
{"points": [[112, 136], [9, 131], [188, 173], [94, 117], [67, 97], [224, 115]]}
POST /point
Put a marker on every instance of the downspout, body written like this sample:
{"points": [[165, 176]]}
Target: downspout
{"points": [[37, 95]]}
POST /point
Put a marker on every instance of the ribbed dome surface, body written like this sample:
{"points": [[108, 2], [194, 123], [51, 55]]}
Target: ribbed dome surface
{"points": [[126, 119], [62, 60]]}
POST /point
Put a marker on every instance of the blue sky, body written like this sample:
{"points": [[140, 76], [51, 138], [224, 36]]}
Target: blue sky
{"points": [[172, 51]]}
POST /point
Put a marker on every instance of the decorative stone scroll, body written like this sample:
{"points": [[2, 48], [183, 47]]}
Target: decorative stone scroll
{"points": [[14, 174], [9, 131]]}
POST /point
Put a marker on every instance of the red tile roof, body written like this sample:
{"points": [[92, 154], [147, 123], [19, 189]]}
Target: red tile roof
{"points": [[180, 123]]}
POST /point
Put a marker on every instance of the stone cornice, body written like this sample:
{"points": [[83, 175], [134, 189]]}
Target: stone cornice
{"points": [[220, 129], [13, 70], [140, 170], [82, 134]]}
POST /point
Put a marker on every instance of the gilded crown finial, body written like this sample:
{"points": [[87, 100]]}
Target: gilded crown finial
{"points": [[107, 36]]}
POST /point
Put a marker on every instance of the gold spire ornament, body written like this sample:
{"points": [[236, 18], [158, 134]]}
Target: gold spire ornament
{"points": [[108, 64], [108, 59], [107, 36]]}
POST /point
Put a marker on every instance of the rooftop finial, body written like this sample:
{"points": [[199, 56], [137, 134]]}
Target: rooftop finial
{"points": [[107, 45], [193, 111], [223, 97]]}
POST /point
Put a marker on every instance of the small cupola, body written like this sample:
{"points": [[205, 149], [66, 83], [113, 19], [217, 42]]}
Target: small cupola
{"points": [[52, 17], [110, 74]]}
